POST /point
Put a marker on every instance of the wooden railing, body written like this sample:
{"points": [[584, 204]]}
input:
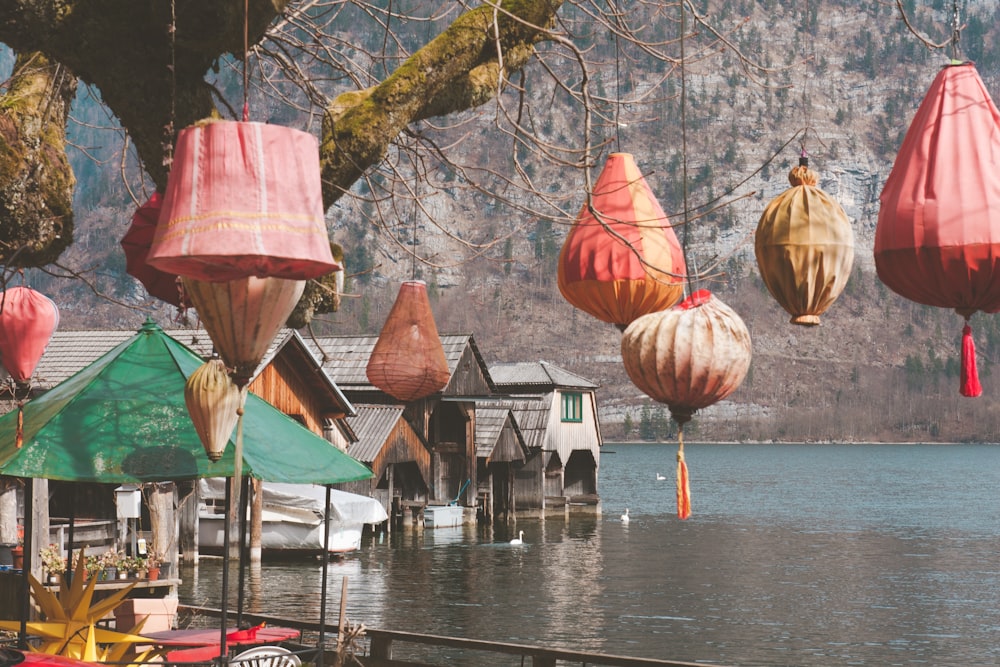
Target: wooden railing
{"points": [[383, 645]]}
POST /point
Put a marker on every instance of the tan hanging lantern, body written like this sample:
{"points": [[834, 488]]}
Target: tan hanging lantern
{"points": [[689, 356], [408, 360], [805, 247], [213, 402], [243, 316]]}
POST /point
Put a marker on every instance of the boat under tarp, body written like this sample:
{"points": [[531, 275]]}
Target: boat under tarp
{"points": [[292, 518]]}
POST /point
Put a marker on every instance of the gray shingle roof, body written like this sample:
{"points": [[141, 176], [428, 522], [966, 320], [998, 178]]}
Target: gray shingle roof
{"points": [[373, 424], [530, 414], [536, 374]]}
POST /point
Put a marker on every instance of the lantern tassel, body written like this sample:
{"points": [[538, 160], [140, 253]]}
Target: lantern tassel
{"points": [[19, 437], [683, 487], [970, 377]]}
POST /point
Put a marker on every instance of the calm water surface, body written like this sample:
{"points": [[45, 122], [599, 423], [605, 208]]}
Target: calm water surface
{"points": [[794, 555]]}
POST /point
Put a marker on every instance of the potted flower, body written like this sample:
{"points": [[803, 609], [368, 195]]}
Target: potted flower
{"points": [[125, 564], [152, 565], [53, 562], [108, 563]]}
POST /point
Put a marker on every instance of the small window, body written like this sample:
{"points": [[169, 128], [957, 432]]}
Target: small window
{"points": [[572, 407]]}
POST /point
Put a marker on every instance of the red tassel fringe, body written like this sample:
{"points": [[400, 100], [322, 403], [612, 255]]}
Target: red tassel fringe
{"points": [[970, 377]]}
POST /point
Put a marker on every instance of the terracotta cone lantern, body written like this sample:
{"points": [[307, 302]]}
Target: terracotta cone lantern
{"points": [[243, 316], [621, 259], [689, 356], [243, 199], [214, 402], [937, 239], [408, 361], [805, 247]]}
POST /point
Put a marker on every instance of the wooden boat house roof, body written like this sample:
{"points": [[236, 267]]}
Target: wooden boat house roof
{"points": [[70, 351], [345, 360], [536, 377], [384, 437], [498, 436]]}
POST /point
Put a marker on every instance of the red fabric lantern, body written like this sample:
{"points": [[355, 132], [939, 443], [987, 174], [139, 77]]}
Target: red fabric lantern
{"points": [[214, 403], [243, 316], [689, 357], [243, 199], [408, 360], [27, 321], [621, 259], [937, 240], [136, 243]]}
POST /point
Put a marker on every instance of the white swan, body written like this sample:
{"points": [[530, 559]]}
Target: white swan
{"points": [[625, 518], [659, 477], [519, 539]]}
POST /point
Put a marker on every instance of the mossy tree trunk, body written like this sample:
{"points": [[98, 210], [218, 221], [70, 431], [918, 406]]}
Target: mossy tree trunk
{"points": [[153, 80]]}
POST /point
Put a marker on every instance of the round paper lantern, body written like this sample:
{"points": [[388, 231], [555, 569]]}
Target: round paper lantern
{"points": [[243, 199], [805, 247], [621, 258], [27, 321], [408, 361], [136, 243], [688, 356], [937, 239], [243, 316], [214, 403]]}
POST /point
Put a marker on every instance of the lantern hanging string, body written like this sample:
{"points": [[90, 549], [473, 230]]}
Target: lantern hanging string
{"points": [[956, 31], [683, 486], [246, 59], [618, 99]]}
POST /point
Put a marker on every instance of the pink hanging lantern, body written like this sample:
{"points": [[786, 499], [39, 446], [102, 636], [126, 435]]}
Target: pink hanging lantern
{"points": [[213, 402], [937, 239], [408, 361], [27, 321], [136, 244], [243, 199], [243, 316]]}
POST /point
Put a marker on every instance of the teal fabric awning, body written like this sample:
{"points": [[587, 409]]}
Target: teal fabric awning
{"points": [[123, 419]]}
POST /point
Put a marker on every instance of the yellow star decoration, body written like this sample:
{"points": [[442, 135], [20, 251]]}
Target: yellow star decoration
{"points": [[70, 626]]}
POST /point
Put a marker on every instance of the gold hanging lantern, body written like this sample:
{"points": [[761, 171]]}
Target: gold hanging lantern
{"points": [[213, 402], [243, 316], [805, 247]]}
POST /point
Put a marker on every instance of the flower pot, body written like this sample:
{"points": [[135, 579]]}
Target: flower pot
{"points": [[122, 574], [17, 557], [153, 573]]}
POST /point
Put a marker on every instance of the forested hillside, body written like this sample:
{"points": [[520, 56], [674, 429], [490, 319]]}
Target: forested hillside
{"points": [[840, 80]]}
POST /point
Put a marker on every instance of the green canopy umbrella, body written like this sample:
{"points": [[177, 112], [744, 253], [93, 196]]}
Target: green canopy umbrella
{"points": [[123, 419]]}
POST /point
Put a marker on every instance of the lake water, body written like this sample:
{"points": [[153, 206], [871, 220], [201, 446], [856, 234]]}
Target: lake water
{"points": [[794, 555]]}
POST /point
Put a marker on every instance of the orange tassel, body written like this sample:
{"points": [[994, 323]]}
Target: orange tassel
{"points": [[683, 487], [19, 438]]}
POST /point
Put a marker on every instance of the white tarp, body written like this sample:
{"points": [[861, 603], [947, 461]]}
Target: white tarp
{"points": [[346, 508]]}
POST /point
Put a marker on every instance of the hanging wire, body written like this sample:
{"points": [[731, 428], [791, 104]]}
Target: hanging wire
{"points": [[246, 59], [956, 31], [684, 165], [618, 99]]}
